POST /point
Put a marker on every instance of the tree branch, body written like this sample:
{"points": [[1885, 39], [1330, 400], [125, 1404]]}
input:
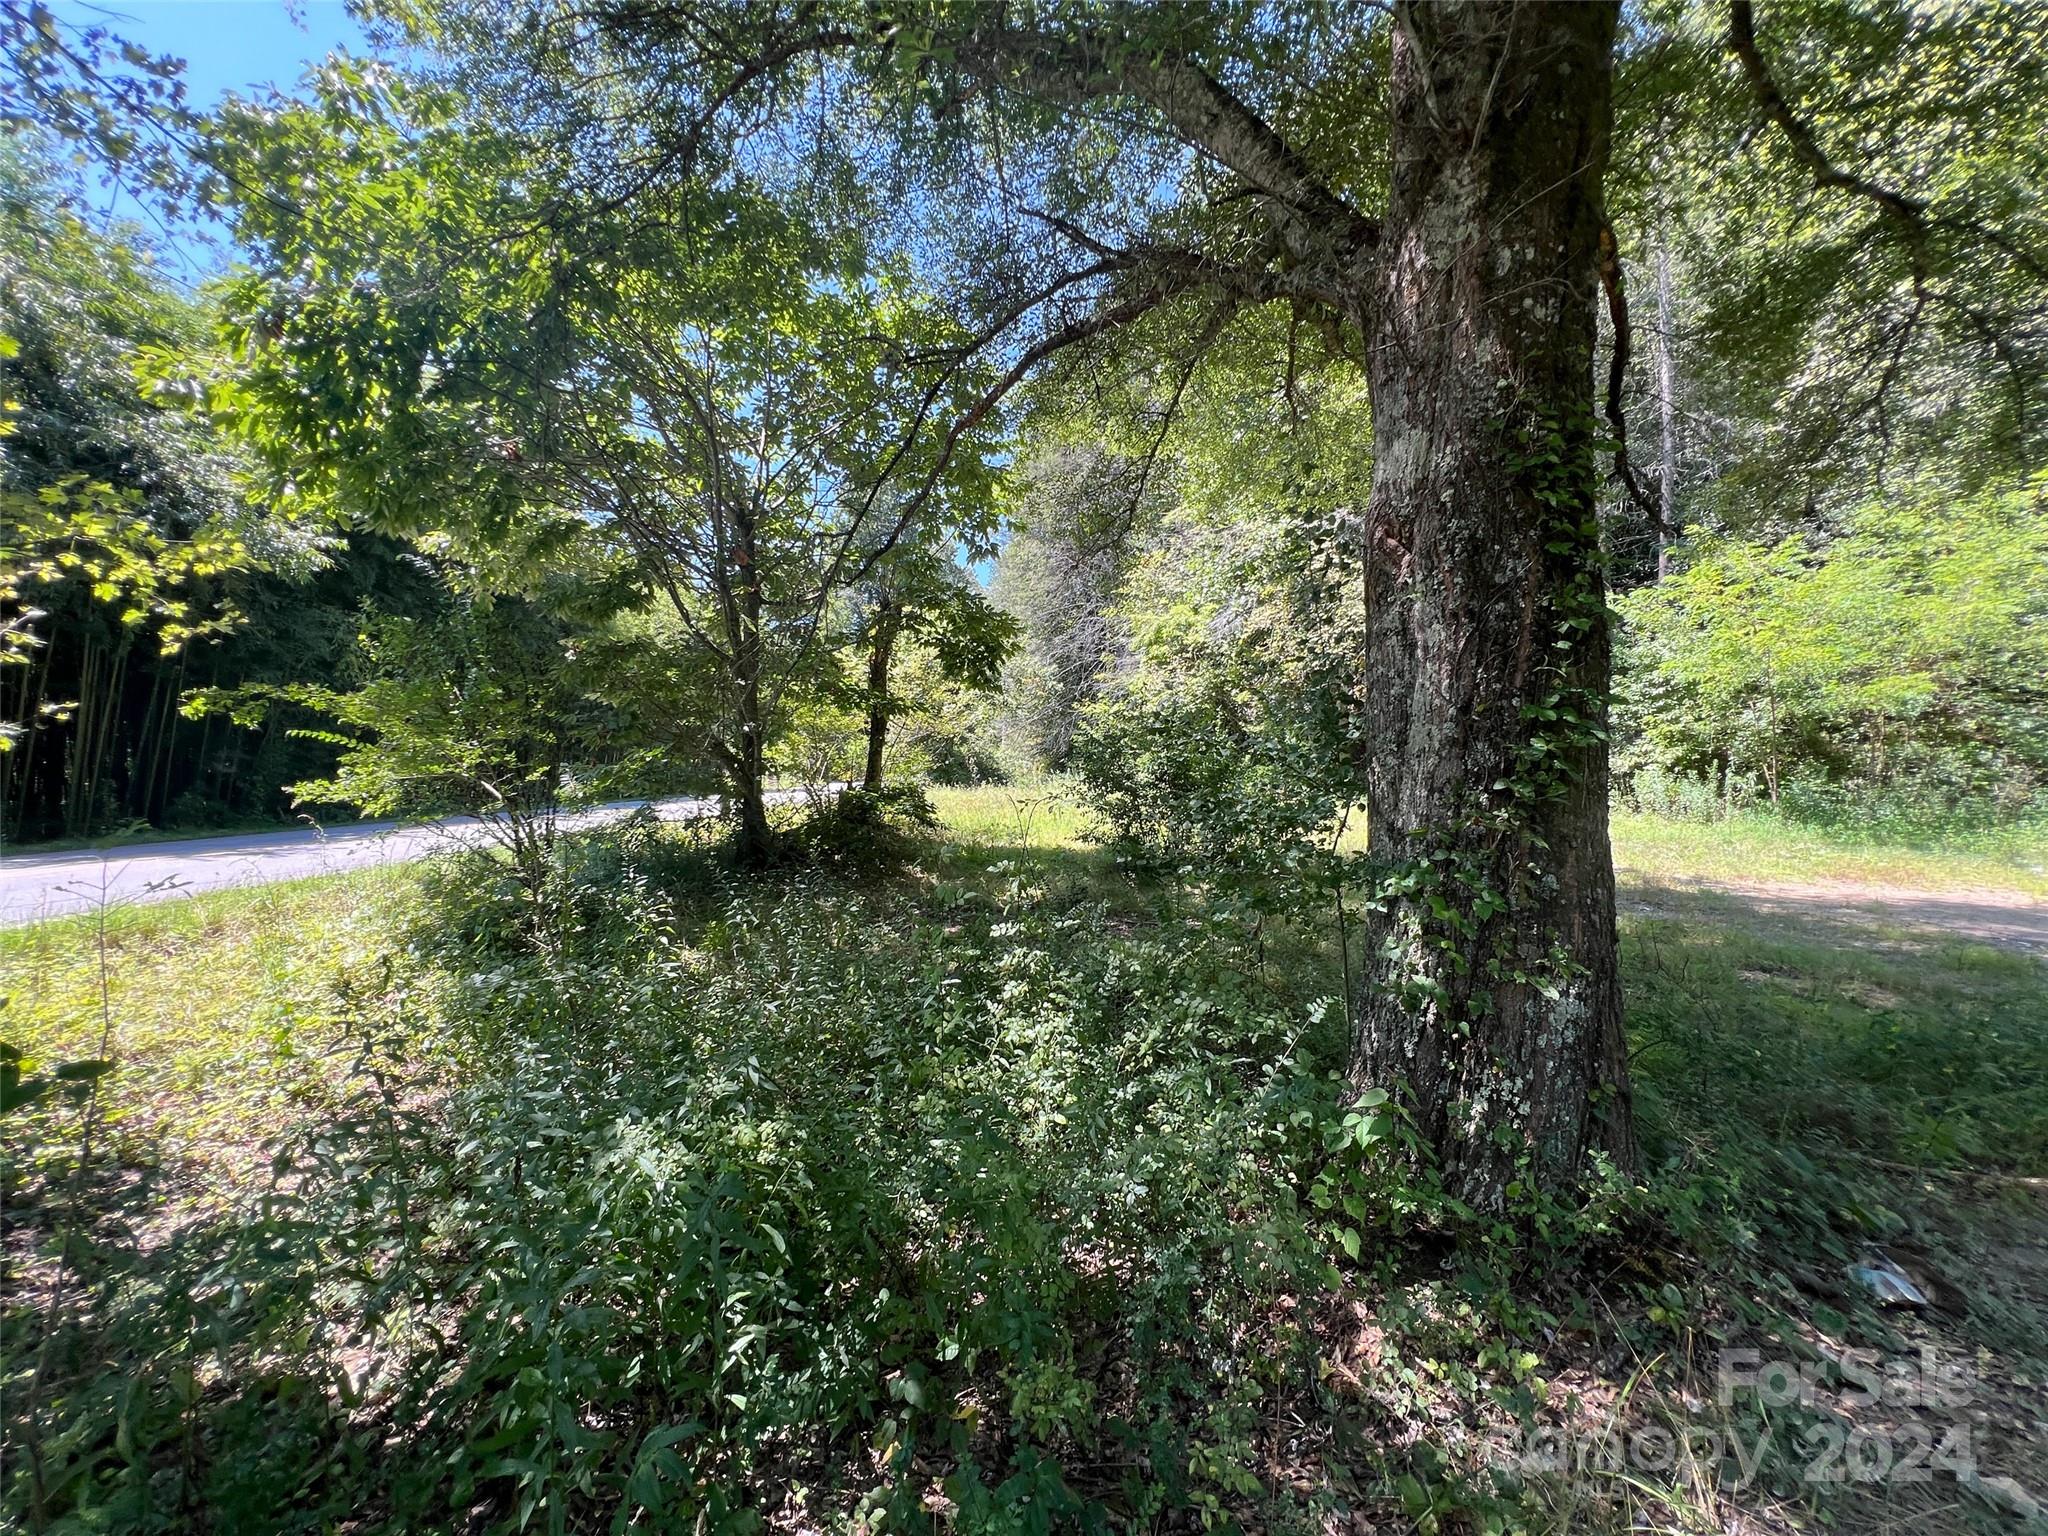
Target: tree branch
{"points": [[1617, 372], [1319, 226], [1906, 215]]}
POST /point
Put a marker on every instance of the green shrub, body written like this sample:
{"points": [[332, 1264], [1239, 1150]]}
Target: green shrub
{"points": [[868, 828], [651, 1221], [1212, 779], [1894, 663], [675, 1198]]}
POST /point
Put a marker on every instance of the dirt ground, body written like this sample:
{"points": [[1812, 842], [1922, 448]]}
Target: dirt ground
{"points": [[1851, 913]]}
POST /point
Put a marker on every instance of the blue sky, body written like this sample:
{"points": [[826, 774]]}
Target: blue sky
{"points": [[227, 45]]}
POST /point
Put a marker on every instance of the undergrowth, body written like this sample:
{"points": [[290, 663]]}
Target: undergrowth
{"points": [[999, 1193]]}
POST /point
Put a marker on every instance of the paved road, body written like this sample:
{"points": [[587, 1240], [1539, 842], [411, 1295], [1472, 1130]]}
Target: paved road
{"points": [[34, 886]]}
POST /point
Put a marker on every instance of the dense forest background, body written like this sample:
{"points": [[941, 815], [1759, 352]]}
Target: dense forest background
{"points": [[1831, 605], [104, 653]]}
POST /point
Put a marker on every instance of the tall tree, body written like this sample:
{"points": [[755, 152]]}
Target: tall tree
{"points": [[1426, 187], [1494, 990], [710, 387]]}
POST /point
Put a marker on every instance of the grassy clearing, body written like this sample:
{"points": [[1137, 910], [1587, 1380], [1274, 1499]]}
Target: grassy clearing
{"points": [[1032, 818], [1006, 1195], [1933, 1056], [1746, 848], [210, 1007], [1750, 848]]}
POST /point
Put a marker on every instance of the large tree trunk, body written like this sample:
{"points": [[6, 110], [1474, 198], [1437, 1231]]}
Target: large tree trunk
{"points": [[881, 648], [1492, 998]]}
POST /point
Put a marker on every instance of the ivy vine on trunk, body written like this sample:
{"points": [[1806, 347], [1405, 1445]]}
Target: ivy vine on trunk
{"points": [[1492, 995]]}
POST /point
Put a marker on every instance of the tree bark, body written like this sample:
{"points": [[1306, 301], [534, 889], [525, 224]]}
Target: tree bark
{"points": [[1667, 415], [881, 647], [1492, 1000], [749, 767]]}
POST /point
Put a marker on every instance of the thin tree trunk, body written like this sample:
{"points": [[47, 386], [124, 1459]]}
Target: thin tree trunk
{"points": [[84, 742], [22, 763], [157, 800], [755, 840], [106, 735], [143, 763], [202, 770], [888, 618], [1770, 764], [749, 766], [1667, 417], [1492, 1001]]}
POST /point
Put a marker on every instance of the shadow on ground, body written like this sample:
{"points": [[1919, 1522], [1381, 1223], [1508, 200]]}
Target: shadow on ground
{"points": [[1849, 914]]}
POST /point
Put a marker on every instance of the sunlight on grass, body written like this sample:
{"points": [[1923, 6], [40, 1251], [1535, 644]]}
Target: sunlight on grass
{"points": [[1744, 848], [211, 1007], [1040, 816], [1748, 848]]}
